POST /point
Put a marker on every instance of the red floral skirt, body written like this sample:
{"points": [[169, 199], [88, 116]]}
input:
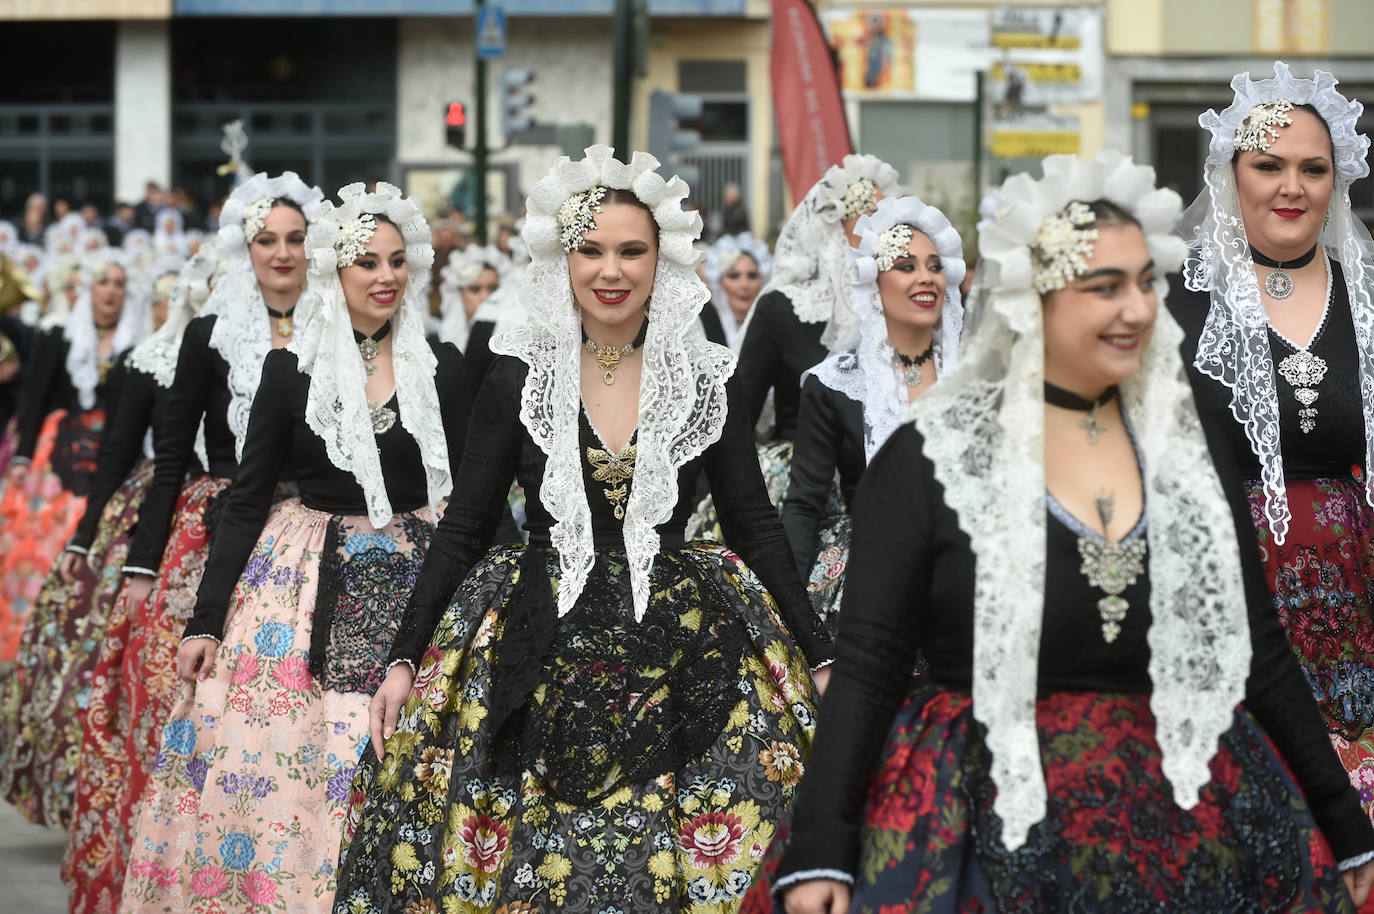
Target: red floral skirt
{"points": [[133, 689], [43, 703], [1113, 839], [38, 518]]}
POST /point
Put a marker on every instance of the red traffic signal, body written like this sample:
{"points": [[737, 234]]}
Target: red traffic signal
{"points": [[457, 114]]}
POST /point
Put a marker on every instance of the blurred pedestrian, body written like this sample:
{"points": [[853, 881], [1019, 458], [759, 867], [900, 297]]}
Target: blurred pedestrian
{"points": [[734, 215], [34, 225]]}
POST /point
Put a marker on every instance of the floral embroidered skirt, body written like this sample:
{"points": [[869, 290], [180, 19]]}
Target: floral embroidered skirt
{"points": [[825, 586], [38, 518], [588, 763], [133, 688], [44, 701], [1322, 579], [1113, 839], [246, 800]]}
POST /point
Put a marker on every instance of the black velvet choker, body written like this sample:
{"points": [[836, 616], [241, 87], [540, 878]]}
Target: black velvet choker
{"points": [[284, 324], [1296, 264], [383, 333], [1067, 399]]}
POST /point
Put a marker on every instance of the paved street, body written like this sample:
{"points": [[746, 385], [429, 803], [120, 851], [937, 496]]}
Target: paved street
{"points": [[29, 860]]}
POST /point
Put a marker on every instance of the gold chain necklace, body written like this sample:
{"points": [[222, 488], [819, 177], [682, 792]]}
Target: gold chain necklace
{"points": [[608, 357]]}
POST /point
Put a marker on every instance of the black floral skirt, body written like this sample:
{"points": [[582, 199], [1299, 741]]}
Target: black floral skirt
{"points": [[1113, 839], [589, 762]]}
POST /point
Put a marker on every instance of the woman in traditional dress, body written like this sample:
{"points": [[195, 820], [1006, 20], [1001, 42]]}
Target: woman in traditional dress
{"points": [[1279, 323], [610, 717], [1109, 692], [470, 281], [736, 267], [248, 794], [908, 266], [117, 670], [61, 417]]}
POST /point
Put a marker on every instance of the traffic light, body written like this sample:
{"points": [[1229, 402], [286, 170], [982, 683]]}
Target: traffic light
{"points": [[456, 124], [669, 141], [515, 101]]}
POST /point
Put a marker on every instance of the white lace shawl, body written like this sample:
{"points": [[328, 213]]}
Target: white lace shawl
{"points": [[809, 262], [463, 268], [242, 333], [157, 355], [1234, 346], [862, 369], [720, 257], [682, 402], [983, 429], [336, 407], [135, 323]]}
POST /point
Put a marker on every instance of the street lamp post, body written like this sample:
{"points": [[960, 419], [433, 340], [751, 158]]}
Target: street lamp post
{"points": [[479, 149]]}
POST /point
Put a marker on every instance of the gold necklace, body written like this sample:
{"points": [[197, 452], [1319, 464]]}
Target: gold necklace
{"points": [[608, 357]]}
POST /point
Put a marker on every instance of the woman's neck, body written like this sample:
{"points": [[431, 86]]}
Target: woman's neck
{"points": [[368, 327], [907, 339], [278, 300], [620, 334]]}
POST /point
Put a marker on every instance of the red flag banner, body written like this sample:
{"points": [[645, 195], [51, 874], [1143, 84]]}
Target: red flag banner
{"points": [[806, 97]]}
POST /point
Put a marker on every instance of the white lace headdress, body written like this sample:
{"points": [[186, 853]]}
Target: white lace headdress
{"points": [[242, 333], [861, 368], [336, 408], [682, 404], [1234, 347], [157, 355], [463, 269], [135, 322], [809, 260], [720, 257], [983, 429]]}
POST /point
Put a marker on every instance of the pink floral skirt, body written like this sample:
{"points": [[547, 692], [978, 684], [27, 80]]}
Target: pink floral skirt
{"points": [[246, 802]]}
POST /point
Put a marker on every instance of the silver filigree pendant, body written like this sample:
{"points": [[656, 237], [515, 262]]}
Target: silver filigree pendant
{"points": [[1304, 371], [1279, 285], [383, 417], [1112, 567]]}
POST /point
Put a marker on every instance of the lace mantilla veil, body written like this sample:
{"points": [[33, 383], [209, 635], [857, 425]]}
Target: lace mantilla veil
{"points": [[242, 334], [336, 407], [983, 429], [809, 261], [463, 268], [135, 321], [720, 257], [1234, 347], [861, 368], [157, 355], [682, 402]]}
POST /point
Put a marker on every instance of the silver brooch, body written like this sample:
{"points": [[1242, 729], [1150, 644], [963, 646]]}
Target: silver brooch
{"points": [[1112, 567], [1304, 371], [383, 417]]}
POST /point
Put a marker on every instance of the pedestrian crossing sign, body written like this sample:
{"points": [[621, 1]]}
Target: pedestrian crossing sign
{"points": [[491, 33]]}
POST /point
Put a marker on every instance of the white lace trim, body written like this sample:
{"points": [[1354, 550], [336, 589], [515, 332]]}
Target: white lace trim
{"points": [[1234, 346], [157, 355], [135, 323], [720, 257], [682, 403], [463, 268], [809, 264], [1351, 863], [983, 429], [808, 875], [336, 407], [863, 371]]}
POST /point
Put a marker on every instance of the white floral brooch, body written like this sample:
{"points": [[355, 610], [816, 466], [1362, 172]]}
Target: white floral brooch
{"points": [[1261, 125], [892, 246], [1062, 247], [577, 216], [255, 216], [353, 238], [860, 197]]}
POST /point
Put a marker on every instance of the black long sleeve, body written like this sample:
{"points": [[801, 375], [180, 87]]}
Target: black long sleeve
{"points": [[42, 389], [134, 396], [752, 528], [816, 455], [174, 441], [475, 508], [250, 497], [776, 349]]}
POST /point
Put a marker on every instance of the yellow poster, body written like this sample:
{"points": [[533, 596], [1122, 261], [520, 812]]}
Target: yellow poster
{"points": [[1292, 26], [877, 50]]}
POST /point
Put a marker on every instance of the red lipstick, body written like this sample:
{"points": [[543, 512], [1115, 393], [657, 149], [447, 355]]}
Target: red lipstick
{"points": [[1289, 213], [611, 296]]}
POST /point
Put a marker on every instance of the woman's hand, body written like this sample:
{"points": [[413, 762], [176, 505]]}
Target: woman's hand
{"points": [[136, 591], [386, 706], [821, 678], [196, 658], [70, 566], [816, 896], [1358, 881]]}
